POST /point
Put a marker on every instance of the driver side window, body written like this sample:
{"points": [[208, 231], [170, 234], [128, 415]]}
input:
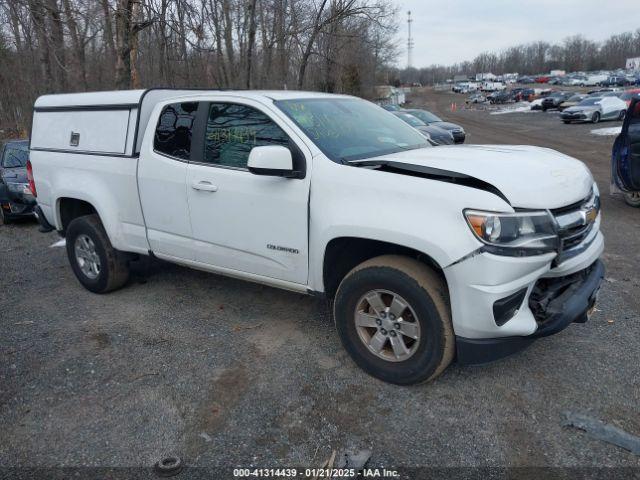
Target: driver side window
{"points": [[233, 130]]}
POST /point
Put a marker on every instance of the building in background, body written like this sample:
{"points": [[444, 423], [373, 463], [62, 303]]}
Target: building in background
{"points": [[633, 63]]}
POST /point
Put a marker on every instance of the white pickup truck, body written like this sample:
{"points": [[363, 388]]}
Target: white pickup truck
{"points": [[429, 254]]}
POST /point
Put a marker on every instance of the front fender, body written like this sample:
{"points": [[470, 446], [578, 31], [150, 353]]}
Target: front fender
{"points": [[422, 214]]}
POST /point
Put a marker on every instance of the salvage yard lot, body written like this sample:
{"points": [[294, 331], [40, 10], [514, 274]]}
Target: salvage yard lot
{"points": [[227, 373]]}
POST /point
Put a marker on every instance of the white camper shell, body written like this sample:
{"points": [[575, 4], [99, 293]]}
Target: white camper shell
{"points": [[102, 123]]}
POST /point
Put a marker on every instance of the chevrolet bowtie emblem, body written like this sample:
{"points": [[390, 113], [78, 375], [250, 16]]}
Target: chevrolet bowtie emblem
{"points": [[590, 215]]}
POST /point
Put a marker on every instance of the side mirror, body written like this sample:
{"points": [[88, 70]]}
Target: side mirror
{"points": [[272, 160]]}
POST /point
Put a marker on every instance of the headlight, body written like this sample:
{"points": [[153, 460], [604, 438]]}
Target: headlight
{"points": [[515, 234], [17, 187]]}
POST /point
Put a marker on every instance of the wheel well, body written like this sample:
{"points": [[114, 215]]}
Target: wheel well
{"points": [[71, 208], [345, 253]]}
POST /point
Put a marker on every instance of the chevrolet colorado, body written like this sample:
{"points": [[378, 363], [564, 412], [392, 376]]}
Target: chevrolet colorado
{"points": [[428, 254]]}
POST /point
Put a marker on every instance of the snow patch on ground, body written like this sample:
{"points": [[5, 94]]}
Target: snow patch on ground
{"points": [[605, 132], [60, 243], [515, 108]]}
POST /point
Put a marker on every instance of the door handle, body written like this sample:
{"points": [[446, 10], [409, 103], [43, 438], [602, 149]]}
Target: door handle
{"points": [[204, 186]]}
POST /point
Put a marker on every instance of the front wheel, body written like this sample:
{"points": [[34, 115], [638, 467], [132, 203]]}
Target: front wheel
{"points": [[99, 267], [632, 199], [595, 118], [622, 114], [3, 217], [393, 318]]}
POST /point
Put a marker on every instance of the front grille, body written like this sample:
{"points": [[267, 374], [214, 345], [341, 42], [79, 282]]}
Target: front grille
{"points": [[575, 224]]}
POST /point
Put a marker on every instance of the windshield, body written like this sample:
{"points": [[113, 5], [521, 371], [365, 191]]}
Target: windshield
{"points": [[589, 101], [351, 129], [425, 116], [629, 95], [15, 155], [575, 98], [410, 119]]}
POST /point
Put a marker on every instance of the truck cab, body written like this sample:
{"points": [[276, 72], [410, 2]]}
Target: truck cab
{"points": [[426, 254]]}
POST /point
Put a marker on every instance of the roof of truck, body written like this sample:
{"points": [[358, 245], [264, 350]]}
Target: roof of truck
{"points": [[133, 97]]}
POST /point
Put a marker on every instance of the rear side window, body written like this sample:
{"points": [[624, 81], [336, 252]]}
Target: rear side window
{"points": [[15, 156], [174, 131], [233, 130]]}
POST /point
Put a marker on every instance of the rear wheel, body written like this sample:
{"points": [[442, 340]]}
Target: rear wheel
{"points": [[393, 317], [566, 122], [622, 114], [99, 267], [632, 199], [595, 118]]}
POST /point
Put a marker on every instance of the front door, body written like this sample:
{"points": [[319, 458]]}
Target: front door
{"points": [[626, 152], [241, 221]]}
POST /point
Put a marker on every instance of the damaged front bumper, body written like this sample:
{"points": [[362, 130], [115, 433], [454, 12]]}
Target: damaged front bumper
{"points": [[501, 304], [556, 303]]}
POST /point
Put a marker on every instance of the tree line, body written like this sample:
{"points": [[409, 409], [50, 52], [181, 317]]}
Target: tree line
{"points": [[56, 46], [573, 54]]}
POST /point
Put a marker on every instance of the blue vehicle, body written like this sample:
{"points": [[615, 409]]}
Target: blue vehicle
{"points": [[625, 158]]}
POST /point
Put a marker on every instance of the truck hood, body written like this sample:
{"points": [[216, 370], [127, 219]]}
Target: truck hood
{"points": [[526, 176], [446, 125]]}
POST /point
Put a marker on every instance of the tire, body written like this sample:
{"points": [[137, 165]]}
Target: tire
{"points": [[427, 315], [4, 220], [86, 234], [595, 118], [622, 114], [632, 199], [566, 122]]}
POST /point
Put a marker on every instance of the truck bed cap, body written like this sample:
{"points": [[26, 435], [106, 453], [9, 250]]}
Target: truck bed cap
{"points": [[116, 97]]}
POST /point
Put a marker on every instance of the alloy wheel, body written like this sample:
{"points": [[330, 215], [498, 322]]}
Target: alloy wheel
{"points": [[87, 256], [387, 325]]}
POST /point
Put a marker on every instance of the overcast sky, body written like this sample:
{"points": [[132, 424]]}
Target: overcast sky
{"points": [[451, 31]]}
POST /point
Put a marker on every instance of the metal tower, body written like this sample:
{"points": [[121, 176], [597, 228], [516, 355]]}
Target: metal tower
{"points": [[409, 41]]}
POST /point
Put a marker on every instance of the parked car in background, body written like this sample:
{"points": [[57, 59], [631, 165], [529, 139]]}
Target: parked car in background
{"points": [[625, 157], [16, 199], [542, 79], [476, 98], [594, 80], [390, 107], [554, 100], [429, 118], [526, 79], [599, 92], [628, 95], [492, 86], [573, 81], [525, 95], [435, 135], [500, 97], [616, 81], [595, 109], [572, 101]]}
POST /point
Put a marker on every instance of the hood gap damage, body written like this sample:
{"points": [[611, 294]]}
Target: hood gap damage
{"points": [[430, 173]]}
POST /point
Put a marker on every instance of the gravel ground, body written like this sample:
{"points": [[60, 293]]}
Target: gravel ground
{"points": [[227, 373]]}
